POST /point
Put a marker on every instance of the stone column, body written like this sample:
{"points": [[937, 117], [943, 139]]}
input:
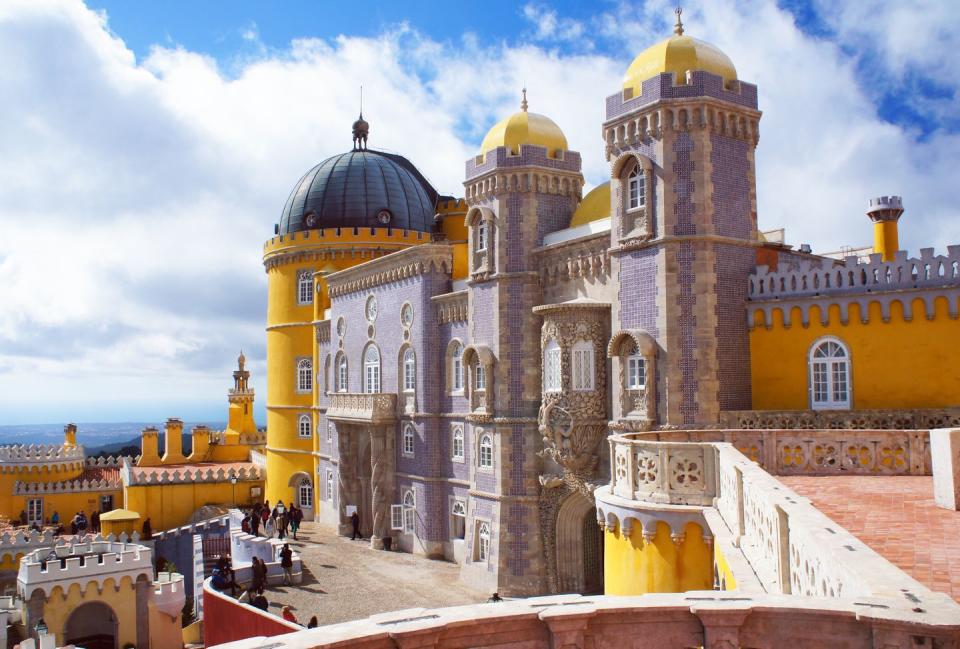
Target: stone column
{"points": [[347, 479], [381, 481]]}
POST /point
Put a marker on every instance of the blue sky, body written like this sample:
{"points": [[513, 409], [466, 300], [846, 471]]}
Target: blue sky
{"points": [[146, 157]]}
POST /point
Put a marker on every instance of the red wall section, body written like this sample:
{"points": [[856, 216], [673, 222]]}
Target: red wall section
{"points": [[225, 620]]}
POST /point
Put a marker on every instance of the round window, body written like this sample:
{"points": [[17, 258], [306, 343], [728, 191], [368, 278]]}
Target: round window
{"points": [[371, 308], [406, 315], [341, 327]]}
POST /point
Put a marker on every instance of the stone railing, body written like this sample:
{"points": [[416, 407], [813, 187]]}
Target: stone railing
{"points": [[675, 473], [819, 452], [258, 459], [451, 307], [694, 619], [818, 278], [40, 453], [375, 408], [916, 419]]}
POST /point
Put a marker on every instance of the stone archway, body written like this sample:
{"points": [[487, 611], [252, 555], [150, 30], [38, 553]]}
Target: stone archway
{"points": [[92, 625], [579, 560]]}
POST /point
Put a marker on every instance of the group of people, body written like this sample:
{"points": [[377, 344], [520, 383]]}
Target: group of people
{"points": [[279, 520], [79, 524]]}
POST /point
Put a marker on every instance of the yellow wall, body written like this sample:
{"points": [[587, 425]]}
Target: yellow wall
{"points": [[886, 240], [724, 574], [65, 504], [896, 364], [171, 505], [633, 566], [11, 506], [122, 599]]}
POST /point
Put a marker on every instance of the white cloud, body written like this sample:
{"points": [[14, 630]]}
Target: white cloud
{"points": [[137, 195]]}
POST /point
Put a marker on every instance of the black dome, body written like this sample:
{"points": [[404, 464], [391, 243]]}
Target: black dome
{"points": [[352, 189]]}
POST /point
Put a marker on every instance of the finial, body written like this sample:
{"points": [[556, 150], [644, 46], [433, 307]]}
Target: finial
{"points": [[523, 103], [678, 27], [361, 129], [361, 101]]}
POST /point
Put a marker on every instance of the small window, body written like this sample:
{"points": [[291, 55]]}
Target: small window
{"points": [[408, 435], [305, 287], [458, 520], [551, 367], [341, 373], [456, 368], [636, 189], [583, 365], [304, 426], [456, 447], [371, 370], [483, 541], [481, 236], [636, 372], [409, 371], [35, 510], [409, 513], [330, 485], [306, 495], [830, 375], [304, 375], [329, 432], [481, 378], [396, 517], [486, 452]]}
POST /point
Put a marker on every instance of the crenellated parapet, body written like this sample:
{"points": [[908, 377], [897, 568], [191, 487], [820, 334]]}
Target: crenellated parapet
{"points": [[451, 307], [87, 564], [332, 244], [426, 258], [189, 474], [68, 486], [108, 462], [168, 594], [531, 170], [53, 457]]}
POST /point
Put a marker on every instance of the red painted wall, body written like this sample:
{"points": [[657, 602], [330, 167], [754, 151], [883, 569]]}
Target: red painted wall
{"points": [[225, 620]]}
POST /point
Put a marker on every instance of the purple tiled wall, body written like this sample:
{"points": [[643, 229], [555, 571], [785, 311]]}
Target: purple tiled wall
{"points": [[732, 211], [638, 290], [704, 84]]}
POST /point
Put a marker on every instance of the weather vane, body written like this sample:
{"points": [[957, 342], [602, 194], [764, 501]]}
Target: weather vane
{"points": [[678, 27]]}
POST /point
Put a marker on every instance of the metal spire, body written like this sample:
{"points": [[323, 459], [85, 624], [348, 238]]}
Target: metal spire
{"points": [[678, 27], [523, 102]]}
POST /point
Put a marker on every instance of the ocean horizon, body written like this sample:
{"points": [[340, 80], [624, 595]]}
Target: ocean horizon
{"points": [[90, 435]]}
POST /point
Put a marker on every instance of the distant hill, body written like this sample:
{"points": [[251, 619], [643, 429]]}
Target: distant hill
{"points": [[132, 447], [95, 437]]}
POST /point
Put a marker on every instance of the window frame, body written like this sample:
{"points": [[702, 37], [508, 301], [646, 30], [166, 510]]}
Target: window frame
{"points": [[304, 418], [408, 440], [305, 486], [458, 522], [329, 481], [409, 512], [304, 287], [583, 373], [635, 358], [304, 375], [456, 367], [636, 180], [485, 451], [458, 441], [409, 370], [484, 534], [552, 367], [480, 378], [829, 377], [342, 378], [372, 374], [483, 234]]}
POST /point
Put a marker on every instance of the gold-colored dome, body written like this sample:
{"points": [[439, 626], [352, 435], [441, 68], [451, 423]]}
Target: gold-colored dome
{"points": [[593, 207], [525, 128], [678, 54]]}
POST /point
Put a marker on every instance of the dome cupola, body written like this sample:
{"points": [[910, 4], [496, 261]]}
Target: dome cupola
{"points": [[677, 54], [525, 128]]}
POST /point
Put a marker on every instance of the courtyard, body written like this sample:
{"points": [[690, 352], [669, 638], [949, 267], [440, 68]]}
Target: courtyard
{"points": [[346, 580]]}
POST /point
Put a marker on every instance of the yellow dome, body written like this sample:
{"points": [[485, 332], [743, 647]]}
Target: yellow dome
{"points": [[525, 128], [678, 54], [594, 206]]}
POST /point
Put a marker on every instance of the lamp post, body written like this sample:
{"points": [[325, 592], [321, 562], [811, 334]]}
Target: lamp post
{"points": [[233, 482]]}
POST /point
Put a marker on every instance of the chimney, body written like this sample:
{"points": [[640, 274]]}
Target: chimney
{"points": [[173, 452], [149, 445], [201, 443], [885, 212], [70, 435]]}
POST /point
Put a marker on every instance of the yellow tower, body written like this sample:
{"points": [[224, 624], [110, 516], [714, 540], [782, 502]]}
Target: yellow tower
{"points": [[347, 210], [240, 415], [885, 212]]}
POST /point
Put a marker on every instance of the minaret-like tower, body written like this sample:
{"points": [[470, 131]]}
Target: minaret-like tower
{"points": [[680, 137], [240, 417], [885, 213], [524, 185]]}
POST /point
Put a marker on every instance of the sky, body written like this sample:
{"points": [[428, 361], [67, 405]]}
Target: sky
{"points": [[146, 150]]}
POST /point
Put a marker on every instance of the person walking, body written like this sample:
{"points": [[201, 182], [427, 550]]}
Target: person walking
{"points": [[259, 570], [296, 515], [286, 562], [355, 521], [265, 517], [255, 520], [95, 522]]}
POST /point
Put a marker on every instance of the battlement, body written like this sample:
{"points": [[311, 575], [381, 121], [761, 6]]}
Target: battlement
{"points": [[344, 237], [531, 155], [68, 486], [107, 462], [886, 203], [699, 83], [852, 277], [454, 206], [193, 528], [190, 473], [168, 594], [82, 563], [39, 453]]}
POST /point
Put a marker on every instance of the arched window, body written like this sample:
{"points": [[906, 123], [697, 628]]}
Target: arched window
{"points": [[305, 494], [409, 371], [551, 367], [636, 189], [830, 375], [371, 370], [480, 382], [304, 287], [486, 452], [408, 435], [456, 368], [483, 541], [341, 379], [458, 520], [636, 371], [481, 235], [409, 513], [304, 426], [456, 447], [304, 375], [583, 365]]}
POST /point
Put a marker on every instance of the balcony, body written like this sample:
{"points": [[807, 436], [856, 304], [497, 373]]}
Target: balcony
{"points": [[363, 408], [674, 473]]}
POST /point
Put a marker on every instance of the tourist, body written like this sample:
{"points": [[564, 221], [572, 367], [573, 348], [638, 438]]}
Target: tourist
{"points": [[296, 515], [247, 596], [221, 581], [95, 522], [55, 519], [265, 517], [260, 601], [312, 624], [245, 525], [23, 516], [495, 598], [288, 615], [255, 521], [73, 526], [147, 530], [355, 521], [286, 562], [258, 571]]}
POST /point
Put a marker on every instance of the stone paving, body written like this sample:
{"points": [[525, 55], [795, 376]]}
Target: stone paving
{"points": [[897, 517], [346, 580]]}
